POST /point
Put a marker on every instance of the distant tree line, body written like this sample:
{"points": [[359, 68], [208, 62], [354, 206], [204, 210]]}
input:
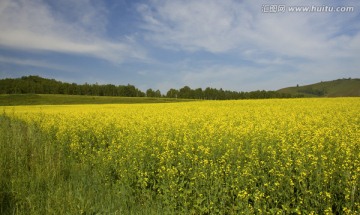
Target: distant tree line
{"points": [[220, 94], [39, 85]]}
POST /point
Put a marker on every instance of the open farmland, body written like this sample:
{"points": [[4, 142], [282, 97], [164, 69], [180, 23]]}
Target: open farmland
{"points": [[276, 156]]}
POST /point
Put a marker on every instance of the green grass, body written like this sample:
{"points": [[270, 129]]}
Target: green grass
{"points": [[49, 99], [336, 88], [38, 176]]}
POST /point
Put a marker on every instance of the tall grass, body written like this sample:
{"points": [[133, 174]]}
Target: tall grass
{"points": [[38, 175]]}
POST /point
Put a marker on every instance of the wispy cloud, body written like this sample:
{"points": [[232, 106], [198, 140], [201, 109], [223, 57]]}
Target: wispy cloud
{"points": [[195, 25], [164, 43], [307, 46], [239, 26], [76, 27], [34, 63]]}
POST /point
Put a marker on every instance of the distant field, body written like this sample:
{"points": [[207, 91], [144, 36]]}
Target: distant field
{"points": [[47, 99]]}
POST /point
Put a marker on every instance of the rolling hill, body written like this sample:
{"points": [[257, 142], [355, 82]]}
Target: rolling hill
{"points": [[337, 88]]}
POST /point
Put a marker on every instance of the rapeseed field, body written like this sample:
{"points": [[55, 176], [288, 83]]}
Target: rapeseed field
{"points": [[277, 156]]}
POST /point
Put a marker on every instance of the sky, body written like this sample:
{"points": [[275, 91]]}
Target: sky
{"points": [[240, 45]]}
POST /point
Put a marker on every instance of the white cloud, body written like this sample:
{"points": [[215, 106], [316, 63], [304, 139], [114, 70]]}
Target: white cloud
{"points": [[76, 28], [195, 25], [228, 43], [35, 63], [283, 48], [239, 26]]}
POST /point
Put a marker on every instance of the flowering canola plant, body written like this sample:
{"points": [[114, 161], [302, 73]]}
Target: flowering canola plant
{"points": [[248, 156]]}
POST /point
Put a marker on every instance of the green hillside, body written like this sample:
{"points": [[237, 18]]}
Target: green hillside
{"points": [[336, 88]]}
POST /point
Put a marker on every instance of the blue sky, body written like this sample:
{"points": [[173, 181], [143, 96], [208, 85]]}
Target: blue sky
{"points": [[163, 44]]}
